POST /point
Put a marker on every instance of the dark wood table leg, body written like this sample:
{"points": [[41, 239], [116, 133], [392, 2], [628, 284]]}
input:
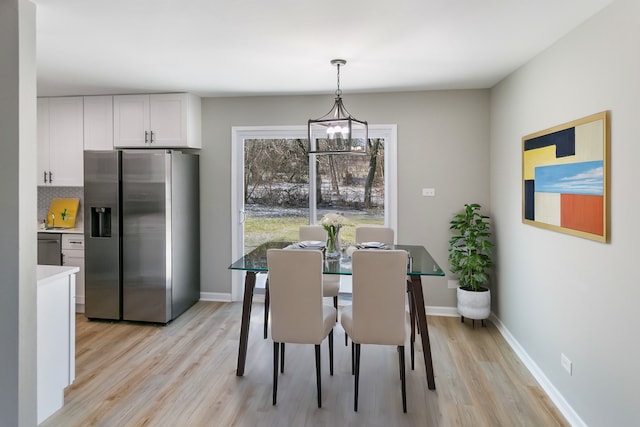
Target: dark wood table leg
{"points": [[412, 319], [418, 298], [249, 285]]}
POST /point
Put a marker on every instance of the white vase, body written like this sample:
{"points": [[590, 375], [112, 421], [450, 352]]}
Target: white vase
{"points": [[474, 305]]}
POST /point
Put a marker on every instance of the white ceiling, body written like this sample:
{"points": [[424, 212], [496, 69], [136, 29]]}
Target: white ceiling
{"points": [[270, 47]]}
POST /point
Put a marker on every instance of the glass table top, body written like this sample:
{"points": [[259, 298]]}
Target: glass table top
{"points": [[419, 262]]}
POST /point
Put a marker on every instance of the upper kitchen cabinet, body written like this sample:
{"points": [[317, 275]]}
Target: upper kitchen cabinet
{"points": [[60, 141], [158, 120], [98, 122]]}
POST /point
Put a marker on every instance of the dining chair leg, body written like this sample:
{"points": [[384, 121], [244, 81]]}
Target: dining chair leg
{"points": [[335, 305], [318, 380], [346, 339], [266, 308], [282, 357], [331, 352], [403, 378], [353, 360], [357, 378], [412, 350], [275, 371]]}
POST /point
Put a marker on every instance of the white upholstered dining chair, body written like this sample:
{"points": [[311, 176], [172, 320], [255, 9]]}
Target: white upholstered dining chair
{"points": [[374, 233], [377, 315], [298, 314], [330, 282], [386, 235]]}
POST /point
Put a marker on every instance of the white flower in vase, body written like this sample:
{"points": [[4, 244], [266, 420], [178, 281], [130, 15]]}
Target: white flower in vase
{"points": [[332, 222]]}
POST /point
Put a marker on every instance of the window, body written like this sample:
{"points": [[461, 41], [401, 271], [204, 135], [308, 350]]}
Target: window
{"points": [[272, 180]]}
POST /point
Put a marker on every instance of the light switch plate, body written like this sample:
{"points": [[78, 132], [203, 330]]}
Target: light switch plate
{"points": [[429, 192]]}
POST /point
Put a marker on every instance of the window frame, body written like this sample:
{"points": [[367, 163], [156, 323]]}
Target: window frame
{"points": [[238, 136]]}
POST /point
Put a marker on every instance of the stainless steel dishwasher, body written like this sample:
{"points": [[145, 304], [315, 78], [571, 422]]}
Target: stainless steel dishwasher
{"points": [[49, 249]]}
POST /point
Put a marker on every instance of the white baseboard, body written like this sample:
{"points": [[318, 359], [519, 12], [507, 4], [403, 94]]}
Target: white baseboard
{"points": [[259, 298], [436, 310], [79, 304], [216, 296], [556, 397]]}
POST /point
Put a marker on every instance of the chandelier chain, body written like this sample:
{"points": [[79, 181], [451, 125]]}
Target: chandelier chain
{"points": [[338, 91]]}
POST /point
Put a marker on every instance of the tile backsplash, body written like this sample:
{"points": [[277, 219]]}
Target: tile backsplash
{"points": [[46, 194]]}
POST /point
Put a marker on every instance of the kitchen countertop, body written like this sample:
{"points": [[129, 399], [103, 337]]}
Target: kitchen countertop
{"points": [[48, 273], [75, 230]]}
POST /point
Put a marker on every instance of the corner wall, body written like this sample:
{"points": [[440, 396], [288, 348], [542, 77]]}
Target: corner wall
{"points": [[558, 293], [18, 213]]}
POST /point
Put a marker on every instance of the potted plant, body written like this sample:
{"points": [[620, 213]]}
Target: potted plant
{"points": [[470, 250]]}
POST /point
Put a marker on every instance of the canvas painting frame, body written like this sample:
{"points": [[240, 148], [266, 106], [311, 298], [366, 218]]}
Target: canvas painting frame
{"points": [[565, 178]]}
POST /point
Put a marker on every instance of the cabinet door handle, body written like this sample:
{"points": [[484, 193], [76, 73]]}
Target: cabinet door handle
{"points": [[151, 137], [45, 177], [50, 177], [146, 136]]}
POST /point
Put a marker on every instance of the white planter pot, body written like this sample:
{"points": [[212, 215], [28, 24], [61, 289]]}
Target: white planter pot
{"points": [[474, 305]]}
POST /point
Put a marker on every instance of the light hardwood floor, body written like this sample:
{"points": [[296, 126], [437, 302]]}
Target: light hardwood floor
{"points": [[183, 374]]}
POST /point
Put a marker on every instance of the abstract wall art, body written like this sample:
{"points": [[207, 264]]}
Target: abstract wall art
{"points": [[565, 180]]}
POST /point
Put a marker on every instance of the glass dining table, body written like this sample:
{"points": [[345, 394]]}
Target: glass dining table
{"points": [[420, 263]]}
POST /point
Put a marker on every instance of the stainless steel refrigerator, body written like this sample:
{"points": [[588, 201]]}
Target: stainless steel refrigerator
{"points": [[142, 236]]}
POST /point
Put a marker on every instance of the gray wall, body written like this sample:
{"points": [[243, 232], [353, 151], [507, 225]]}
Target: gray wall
{"points": [[443, 142], [558, 293], [18, 214]]}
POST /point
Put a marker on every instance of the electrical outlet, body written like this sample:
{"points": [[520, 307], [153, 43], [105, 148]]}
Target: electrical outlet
{"points": [[452, 284], [429, 192], [566, 363]]}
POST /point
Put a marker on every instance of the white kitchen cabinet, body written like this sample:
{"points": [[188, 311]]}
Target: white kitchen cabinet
{"points": [[157, 121], [73, 255], [43, 141], [98, 122], [60, 141]]}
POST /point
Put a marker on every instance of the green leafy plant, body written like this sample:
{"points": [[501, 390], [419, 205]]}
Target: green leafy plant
{"points": [[470, 247]]}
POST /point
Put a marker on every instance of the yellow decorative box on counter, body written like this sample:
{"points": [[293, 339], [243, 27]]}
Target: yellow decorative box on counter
{"points": [[62, 212]]}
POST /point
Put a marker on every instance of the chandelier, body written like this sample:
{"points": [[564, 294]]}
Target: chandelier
{"points": [[338, 132]]}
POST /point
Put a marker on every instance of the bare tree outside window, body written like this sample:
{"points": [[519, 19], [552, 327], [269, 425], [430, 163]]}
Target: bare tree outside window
{"points": [[276, 188]]}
